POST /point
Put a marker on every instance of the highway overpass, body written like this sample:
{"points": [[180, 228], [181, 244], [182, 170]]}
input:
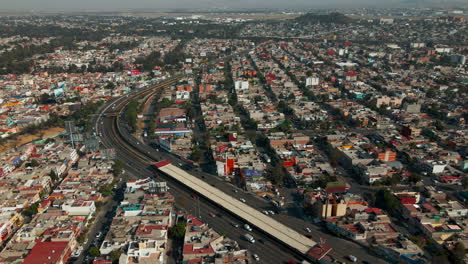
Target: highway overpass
{"points": [[282, 233]]}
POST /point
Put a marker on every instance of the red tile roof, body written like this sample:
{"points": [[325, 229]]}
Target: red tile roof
{"points": [[319, 251], [188, 249], [374, 210], [46, 253], [162, 163]]}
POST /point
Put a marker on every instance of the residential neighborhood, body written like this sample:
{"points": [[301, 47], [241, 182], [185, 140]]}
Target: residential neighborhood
{"points": [[346, 127]]}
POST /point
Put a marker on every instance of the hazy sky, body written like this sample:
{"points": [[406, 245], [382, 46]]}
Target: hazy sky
{"points": [[154, 4]]}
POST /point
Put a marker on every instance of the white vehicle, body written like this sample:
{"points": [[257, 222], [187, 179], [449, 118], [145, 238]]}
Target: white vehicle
{"points": [[271, 212], [352, 258], [308, 230], [242, 200], [249, 238], [256, 257], [247, 227], [265, 212]]}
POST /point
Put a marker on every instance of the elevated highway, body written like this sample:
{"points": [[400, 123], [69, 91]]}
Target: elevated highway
{"points": [[277, 231], [282, 233]]}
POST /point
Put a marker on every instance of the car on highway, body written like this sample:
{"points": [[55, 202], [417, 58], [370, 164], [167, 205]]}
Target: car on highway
{"points": [[247, 227], [271, 212], [256, 257], [308, 230], [242, 200], [265, 212], [249, 238], [234, 190], [236, 225], [352, 258], [212, 214]]}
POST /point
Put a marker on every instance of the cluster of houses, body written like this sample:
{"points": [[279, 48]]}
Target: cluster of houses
{"points": [[173, 128], [202, 244], [138, 231], [52, 193], [30, 99]]}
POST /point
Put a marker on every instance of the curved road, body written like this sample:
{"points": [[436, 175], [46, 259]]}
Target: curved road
{"points": [[135, 154], [268, 250]]}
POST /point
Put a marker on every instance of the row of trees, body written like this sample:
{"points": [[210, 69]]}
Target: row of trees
{"points": [[131, 114]]}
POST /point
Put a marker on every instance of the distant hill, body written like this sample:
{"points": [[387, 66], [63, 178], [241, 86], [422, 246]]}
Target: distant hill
{"points": [[334, 17]]}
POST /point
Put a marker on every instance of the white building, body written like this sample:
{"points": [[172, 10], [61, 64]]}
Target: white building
{"points": [[241, 85], [312, 81], [73, 207]]}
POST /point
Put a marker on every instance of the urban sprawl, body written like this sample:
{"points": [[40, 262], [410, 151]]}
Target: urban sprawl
{"points": [[349, 128]]}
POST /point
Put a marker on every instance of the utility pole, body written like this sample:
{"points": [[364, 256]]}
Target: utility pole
{"points": [[198, 204]]}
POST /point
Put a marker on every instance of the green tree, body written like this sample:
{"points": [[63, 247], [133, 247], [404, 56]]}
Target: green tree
{"points": [[81, 238], [414, 178], [110, 85], [35, 163], [286, 126], [386, 200], [131, 114], [106, 189], [151, 124], [334, 156], [396, 178], [178, 231], [117, 168], [419, 241], [31, 210], [277, 174], [53, 175], [196, 154], [465, 182], [115, 255], [165, 102], [94, 251], [249, 124], [459, 253], [439, 125]]}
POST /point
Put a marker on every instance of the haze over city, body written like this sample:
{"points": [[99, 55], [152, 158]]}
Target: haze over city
{"points": [[220, 4], [233, 132]]}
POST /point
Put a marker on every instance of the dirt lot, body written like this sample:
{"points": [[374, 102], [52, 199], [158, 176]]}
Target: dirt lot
{"points": [[23, 139]]}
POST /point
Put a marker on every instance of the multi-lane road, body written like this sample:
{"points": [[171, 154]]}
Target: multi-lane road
{"points": [[269, 251], [135, 154]]}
